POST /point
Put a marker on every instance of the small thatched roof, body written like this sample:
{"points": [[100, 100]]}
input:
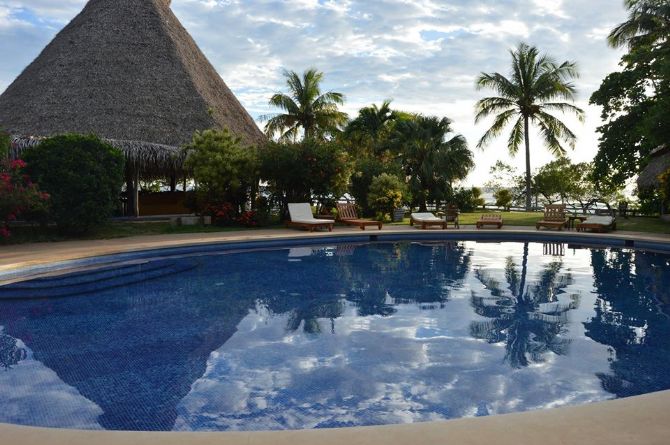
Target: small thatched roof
{"points": [[659, 162], [152, 161], [125, 70]]}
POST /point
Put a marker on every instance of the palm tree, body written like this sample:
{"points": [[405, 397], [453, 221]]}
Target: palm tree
{"points": [[305, 108], [432, 158], [535, 88], [648, 23], [372, 123]]}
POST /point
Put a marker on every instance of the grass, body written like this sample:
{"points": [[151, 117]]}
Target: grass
{"points": [[646, 224], [22, 235]]}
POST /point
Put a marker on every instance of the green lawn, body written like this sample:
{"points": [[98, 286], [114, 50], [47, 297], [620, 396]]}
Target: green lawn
{"points": [[633, 224], [636, 224]]}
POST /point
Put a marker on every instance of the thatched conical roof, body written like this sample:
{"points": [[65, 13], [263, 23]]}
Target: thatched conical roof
{"points": [[124, 70], [659, 162]]}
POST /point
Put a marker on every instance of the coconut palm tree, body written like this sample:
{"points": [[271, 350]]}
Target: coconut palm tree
{"points": [[372, 123], [305, 108], [536, 86], [432, 156], [648, 23]]}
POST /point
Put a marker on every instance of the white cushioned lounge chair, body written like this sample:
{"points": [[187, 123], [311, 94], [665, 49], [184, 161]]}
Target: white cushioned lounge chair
{"points": [[424, 220], [597, 223], [301, 216]]}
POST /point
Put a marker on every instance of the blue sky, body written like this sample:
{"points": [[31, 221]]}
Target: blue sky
{"points": [[423, 54]]}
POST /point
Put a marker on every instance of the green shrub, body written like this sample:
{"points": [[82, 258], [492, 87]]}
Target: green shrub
{"points": [[387, 192], [503, 198], [298, 172], [467, 200], [82, 174], [364, 171], [225, 171]]}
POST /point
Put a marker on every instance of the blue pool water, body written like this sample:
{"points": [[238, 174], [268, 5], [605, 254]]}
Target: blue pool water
{"points": [[314, 337]]}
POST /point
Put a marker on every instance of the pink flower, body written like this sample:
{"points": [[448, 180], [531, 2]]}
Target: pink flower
{"points": [[18, 163]]}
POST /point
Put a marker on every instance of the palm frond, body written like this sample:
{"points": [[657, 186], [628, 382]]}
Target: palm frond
{"points": [[498, 83], [565, 107], [491, 105], [553, 131], [516, 136], [497, 127]]}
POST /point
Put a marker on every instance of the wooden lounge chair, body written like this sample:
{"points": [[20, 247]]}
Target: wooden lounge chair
{"points": [[597, 223], [301, 216], [554, 217], [451, 215], [426, 219], [347, 214], [490, 219]]}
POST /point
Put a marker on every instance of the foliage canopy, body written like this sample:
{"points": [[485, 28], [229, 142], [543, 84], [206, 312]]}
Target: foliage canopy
{"points": [[82, 174]]}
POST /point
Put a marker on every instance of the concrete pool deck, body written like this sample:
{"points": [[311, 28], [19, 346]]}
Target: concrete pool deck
{"points": [[637, 420]]}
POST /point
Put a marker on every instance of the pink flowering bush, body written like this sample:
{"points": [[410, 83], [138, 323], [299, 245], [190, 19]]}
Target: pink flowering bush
{"points": [[222, 214], [19, 197], [248, 219]]}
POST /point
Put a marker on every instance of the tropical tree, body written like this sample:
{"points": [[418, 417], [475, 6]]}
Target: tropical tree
{"points": [[432, 157], [648, 23], [305, 108], [635, 100], [535, 88], [556, 180], [371, 125], [302, 171], [225, 170]]}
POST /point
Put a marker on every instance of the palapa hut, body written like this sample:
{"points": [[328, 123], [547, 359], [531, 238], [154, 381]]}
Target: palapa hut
{"points": [[659, 162], [128, 71]]}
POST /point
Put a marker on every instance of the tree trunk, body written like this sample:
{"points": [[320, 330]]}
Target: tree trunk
{"points": [[529, 198], [136, 194]]}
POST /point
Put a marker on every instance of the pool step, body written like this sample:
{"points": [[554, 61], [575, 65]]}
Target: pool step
{"points": [[95, 280]]}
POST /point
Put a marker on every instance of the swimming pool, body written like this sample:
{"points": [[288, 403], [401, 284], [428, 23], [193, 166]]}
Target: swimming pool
{"points": [[341, 335]]}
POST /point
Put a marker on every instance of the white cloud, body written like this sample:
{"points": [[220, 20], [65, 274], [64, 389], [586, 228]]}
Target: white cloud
{"points": [[424, 54]]}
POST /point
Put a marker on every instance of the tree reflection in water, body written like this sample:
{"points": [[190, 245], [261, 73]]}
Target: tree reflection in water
{"points": [[10, 353], [529, 319], [374, 280], [631, 318]]}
